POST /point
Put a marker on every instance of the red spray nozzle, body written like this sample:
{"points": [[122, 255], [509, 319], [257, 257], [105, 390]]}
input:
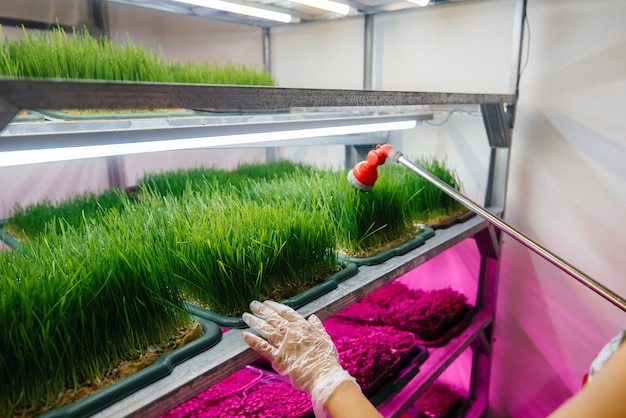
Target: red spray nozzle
{"points": [[364, 174]]}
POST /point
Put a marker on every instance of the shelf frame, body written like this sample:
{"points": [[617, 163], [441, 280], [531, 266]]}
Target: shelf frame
{"points": [[197, 374], [17, 94], [231, 353], [202, 371]]}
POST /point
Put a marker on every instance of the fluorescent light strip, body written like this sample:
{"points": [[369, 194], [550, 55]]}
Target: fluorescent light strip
{"points": [[13, 158], [331, 6], [241, 9], [422, 3]]}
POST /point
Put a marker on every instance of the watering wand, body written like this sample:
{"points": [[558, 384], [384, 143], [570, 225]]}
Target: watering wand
{"points": [[364, 175]]}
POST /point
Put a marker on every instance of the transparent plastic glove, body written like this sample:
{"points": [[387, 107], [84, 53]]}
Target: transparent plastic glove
{"points": [[298, 348]]}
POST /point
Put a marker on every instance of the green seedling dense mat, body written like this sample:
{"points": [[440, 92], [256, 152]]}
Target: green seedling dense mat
{"points": [[348, 270], [139, 380]]}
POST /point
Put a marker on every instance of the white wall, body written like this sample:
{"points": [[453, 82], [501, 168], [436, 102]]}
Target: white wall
{"points": [[188, 38], [566, 186], [449, 48], [567, 190], [318, 55]]}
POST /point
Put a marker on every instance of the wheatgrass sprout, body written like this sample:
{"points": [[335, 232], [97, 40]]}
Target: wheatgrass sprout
{"points": [[176, 182], [75, 303], [78, 55], [230, 250], [364, 221], [367, 222], [425, 202], [271, 170], [27, 222]]}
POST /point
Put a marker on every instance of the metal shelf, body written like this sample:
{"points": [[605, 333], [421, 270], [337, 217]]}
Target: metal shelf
{"points": [[228, 356], [286, 107], [17, 94]]}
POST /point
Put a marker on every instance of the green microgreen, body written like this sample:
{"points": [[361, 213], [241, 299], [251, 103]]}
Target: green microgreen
{"points": [[367, 222], [226, 250], [364, 220], [78, 55], [425, 202], [79, 298], [76, 303], [27, 222], [176, 182]]}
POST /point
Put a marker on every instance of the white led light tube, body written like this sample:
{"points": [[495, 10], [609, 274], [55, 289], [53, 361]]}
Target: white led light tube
{"points": [[32, 156], [241, 9], [331, 6], [422, 3]]}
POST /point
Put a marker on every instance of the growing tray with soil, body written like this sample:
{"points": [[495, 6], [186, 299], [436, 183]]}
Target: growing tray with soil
{"points": [[75, 306], [249, 392], [367, 224], [116, 114], [224, 251], [301, 298], [25, 115], [434, 316], [134, 374], [440, 400], [374, 355], [29, 221], [62, 54]]}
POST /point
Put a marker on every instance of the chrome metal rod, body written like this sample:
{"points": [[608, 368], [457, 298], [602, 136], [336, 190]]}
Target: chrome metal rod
{"points": [[577, 274]]}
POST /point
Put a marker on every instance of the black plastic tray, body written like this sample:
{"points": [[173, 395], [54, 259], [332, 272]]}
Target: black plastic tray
{"points": [[7, 238], [450, 327], [66, 116], [398, 376], [426, 232]]}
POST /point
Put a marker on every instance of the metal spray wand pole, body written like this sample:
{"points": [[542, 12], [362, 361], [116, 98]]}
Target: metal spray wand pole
{"points": [[563, 265]]}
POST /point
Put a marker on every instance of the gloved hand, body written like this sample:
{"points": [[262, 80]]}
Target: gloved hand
{"points": [[297, 348]]}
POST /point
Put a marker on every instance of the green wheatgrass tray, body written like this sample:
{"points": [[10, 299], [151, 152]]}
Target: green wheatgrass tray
{"points": [[139, 114], [330, 283], [426, 232], [161, 368]]}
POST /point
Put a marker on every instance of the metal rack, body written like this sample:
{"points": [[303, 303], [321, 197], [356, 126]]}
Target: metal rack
{"points": [[230, 354]]}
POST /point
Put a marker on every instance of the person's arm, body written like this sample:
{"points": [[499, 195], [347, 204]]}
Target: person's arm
{"points": [[302, 350], [347, 401], [604, 397]]}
